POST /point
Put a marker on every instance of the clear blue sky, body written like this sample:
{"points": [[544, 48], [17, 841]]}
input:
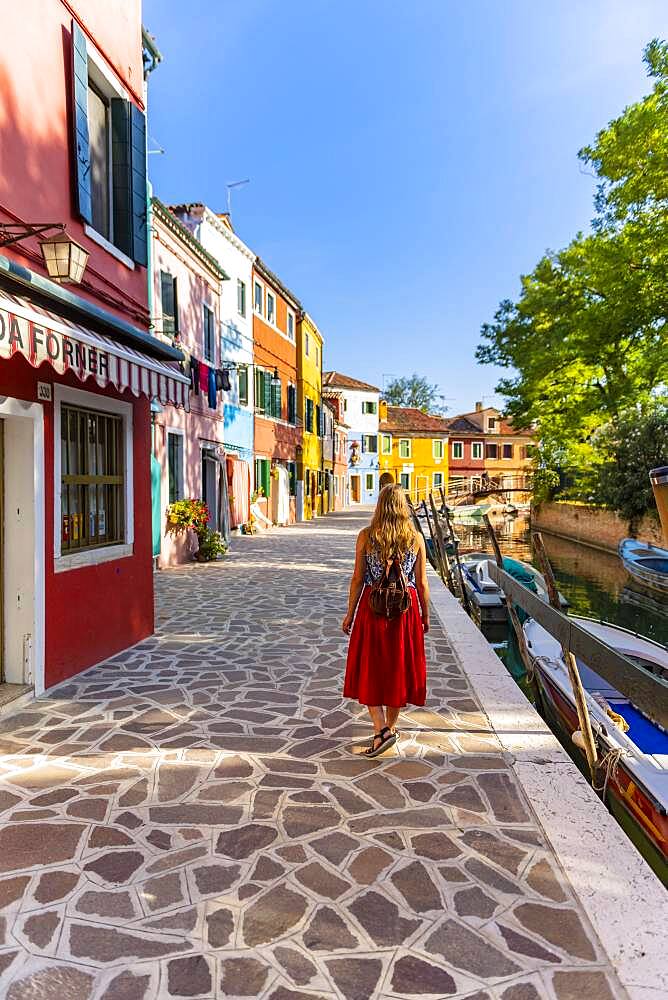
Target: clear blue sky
{"points": [[408, 161]]}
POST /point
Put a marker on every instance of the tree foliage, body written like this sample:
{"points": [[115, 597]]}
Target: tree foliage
{"points": [[627, 449], [414, 390], [587, 338]]}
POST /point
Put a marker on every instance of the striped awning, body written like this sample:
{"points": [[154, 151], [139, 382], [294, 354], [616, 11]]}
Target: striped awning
{"points": [[45, 338]]}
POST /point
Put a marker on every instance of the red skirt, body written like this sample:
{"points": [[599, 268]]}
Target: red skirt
{"points": [[386, 662]]}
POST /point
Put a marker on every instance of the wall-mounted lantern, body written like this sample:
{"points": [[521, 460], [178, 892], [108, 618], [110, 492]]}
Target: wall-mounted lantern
{"points": [[65, 259]]}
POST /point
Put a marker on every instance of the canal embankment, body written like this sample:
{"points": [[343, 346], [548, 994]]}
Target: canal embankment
{"points": [[621, 896], [590, 525]]}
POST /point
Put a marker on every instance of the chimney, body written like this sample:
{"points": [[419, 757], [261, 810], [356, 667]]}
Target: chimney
{"points": [[478, 407], [382, 410]]}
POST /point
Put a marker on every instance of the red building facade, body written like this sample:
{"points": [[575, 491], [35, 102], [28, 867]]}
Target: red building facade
{"points": [[78, 368]]}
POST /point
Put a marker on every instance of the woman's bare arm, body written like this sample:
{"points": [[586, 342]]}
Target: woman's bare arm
{"points": [[356, 582], [421, 582]]}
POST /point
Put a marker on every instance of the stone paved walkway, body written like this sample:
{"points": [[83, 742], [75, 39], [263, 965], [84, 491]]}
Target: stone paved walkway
{"points": [[188, 820]]}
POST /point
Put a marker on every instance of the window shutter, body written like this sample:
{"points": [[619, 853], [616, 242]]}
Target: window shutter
{"points": [[276, 400], [266, 477], [139, 207], [121, 175], [80, 122], [266, 392], [292, 404]]}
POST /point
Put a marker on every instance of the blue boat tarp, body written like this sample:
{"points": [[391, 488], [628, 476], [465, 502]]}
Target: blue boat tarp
{"points": [[520, 573], [648, 737]]}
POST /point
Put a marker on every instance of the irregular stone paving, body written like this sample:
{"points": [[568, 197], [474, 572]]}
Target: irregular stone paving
{"points": [[188, 819]]}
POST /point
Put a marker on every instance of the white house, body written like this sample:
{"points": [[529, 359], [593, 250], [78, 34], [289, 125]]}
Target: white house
{"points": [[360, 412]]}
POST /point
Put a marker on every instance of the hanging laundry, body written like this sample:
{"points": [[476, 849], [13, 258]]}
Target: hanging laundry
{"points": [[223, 380], [211, 389], [194, 375], [204, 376]]}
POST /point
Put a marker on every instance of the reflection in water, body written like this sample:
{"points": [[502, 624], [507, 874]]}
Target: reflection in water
{"points": [[595, 582]]}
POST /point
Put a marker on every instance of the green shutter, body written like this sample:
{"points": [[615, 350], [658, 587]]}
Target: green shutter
{"points": [[266, 476], [81, 150], [139, 195], [276, 409], [266, 392], [121, 174]]}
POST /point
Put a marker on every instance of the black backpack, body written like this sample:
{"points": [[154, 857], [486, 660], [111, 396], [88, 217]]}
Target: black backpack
{"points": [[390, 596]]}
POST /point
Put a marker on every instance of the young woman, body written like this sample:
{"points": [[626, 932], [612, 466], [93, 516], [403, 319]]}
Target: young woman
{"points": [[386, 667]]}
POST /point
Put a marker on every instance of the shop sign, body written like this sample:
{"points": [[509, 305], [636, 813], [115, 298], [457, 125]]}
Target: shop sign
{"points": [[39, 343]]}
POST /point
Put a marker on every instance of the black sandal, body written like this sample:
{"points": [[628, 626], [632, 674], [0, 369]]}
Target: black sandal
{"points": [[385, 742]]}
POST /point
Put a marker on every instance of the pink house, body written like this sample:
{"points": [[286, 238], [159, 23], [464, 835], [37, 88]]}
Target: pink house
{"points": [[188, 452]]}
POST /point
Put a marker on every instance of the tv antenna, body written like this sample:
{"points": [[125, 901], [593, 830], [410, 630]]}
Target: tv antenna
{"points": [[234, 184]]}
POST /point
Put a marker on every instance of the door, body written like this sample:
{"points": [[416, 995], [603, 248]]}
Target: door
{"points": [[210, 487], [355, 489]]}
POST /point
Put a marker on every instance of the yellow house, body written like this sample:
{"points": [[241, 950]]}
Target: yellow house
{"points": [[413, 449], [309, 407]]}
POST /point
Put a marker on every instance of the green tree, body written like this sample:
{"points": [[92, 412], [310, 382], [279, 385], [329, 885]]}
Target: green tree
{"points": [[628, 448], [415, 390], [587, 336]]}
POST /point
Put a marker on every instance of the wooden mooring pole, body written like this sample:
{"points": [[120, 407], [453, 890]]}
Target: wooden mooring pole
{"points": [[437, 535], [454, 541], [512, 614], [569, 659]]}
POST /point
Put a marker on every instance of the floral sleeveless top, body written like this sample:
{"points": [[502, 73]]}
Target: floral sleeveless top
{"points": [[375, 568]]}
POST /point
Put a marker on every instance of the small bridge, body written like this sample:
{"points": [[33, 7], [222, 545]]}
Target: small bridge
{"points": [[487, 488]]}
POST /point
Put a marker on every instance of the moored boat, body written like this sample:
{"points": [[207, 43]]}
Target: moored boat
{"points": [[648, 564], [469, 510], [636, 772]]}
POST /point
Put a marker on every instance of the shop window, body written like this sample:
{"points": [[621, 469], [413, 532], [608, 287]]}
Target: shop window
{"points": [[93, 479], [404, 448], [457, 449], [369, 481]]}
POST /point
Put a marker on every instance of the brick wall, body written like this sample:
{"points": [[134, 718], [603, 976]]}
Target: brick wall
{"points": [[591, 525]]}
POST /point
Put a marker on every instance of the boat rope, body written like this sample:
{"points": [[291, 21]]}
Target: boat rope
{"points": [[608, 764], [617, 719]]}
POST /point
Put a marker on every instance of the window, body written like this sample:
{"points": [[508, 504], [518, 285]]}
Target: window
{"points": [[438, 447], [292, 477], [404, 448], [275, 396], [308, 415], [209, 335], [507, 451], [317, 356], [336, 486], [369, 406], [405, 480], [491, 423], [92, 449], [271, 307], [263, 399], [386, 444], [491, 451], [370, 443], [523, 452], [457, 449], [170, 313], [175, 466], [369, 481], [307, 344], [258, 298], [319, 429], [242, 379], [292, 404], [291, 325], [109, 156], [438, 480], [476, 449], [241, 297]]}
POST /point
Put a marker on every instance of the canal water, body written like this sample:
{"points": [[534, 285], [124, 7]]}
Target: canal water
{"points": [[597, 586], [594, 582]]}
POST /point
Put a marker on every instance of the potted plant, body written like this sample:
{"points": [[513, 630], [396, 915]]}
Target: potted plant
{"points": [[184, 514], [212, 545]]}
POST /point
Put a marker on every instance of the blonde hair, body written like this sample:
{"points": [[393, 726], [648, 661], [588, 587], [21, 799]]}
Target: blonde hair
{"points": [[391, 532]]}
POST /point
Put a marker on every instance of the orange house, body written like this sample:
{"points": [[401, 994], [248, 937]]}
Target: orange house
{"points": [[278, 433]]}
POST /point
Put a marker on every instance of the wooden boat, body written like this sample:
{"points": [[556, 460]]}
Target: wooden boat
{"points": [[637, 778], [469, 510], [523, 572], [648, 564]]}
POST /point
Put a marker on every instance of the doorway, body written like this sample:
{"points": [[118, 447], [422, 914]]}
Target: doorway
{"points": [[355, 489], [210, 485]]}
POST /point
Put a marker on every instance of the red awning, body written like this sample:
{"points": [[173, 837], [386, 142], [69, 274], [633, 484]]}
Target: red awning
{"points": [[43, 337]]}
